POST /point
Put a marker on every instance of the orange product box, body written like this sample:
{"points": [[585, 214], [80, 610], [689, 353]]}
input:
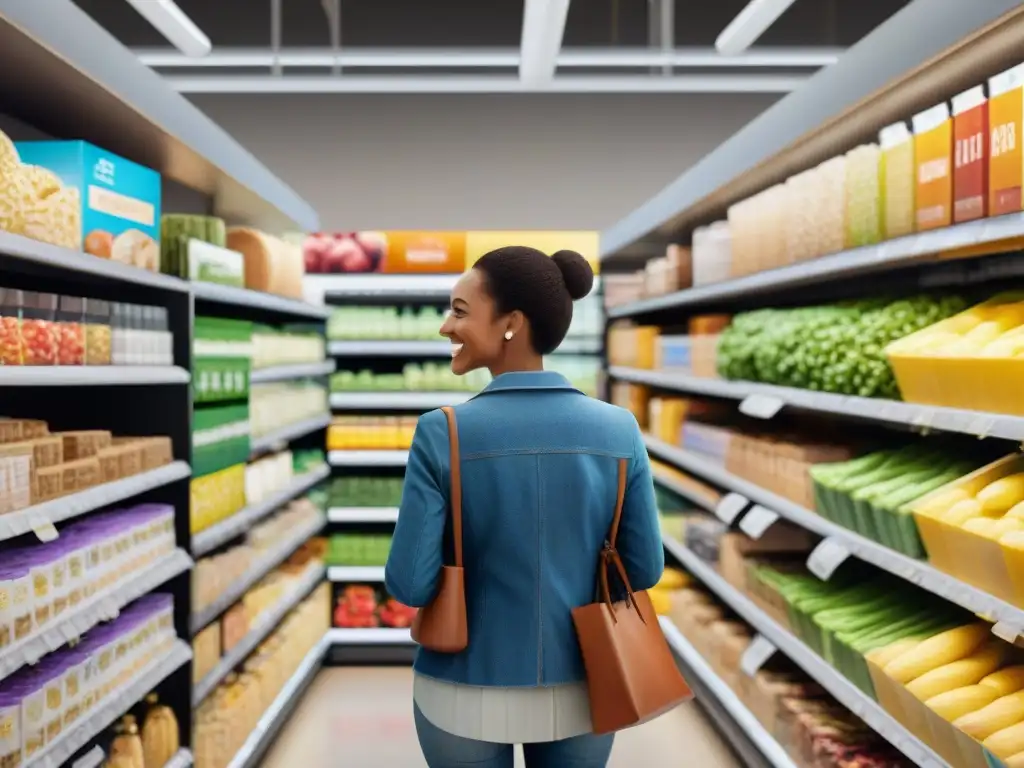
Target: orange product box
{"points": [[899, 185], [933, 148], [1005, 166], [970, 159], [426, 252]]}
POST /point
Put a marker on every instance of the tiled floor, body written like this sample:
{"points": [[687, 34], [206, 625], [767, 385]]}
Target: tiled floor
{"points": [[358, 717]]}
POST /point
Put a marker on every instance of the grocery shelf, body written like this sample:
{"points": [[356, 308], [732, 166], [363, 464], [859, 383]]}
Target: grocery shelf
{"points": [[43, 254], [286, 434], [75, 79], [362, 514], [280, 710], [288, 372], [581, 345], [270, 560], [337, 286], [92, 759], [915, 571], [264, 625], [355, 573], [715, 688], [933, 246], [31, 518], [925, 417], [845, 692], [927, 47], [181, 759], [91, 375], [396, 401], [76, 621], [389, 348], [57, 752], [369, 636], [368, 458], [681, 489], [234, 526], [243, 297]]}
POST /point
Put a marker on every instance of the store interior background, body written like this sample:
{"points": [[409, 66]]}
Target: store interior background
{"points": [[563, 161]]}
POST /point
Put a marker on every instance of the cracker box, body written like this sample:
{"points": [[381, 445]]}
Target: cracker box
{"points": [[89, 199]]}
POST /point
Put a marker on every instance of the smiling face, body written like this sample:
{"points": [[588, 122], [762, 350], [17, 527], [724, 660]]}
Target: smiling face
{"points": [[477, 330]]}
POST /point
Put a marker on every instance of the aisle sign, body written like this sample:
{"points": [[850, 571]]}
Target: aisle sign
{"points": [[758, 652], [761, 406], [757, 521], [730, 506], [826, 557], [584, 242]]}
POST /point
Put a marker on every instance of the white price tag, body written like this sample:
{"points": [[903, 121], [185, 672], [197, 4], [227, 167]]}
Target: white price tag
{"points": [[757, 653], [43, 527], [91, 759], [761, 406], [826, 557], [730, 506], [757, 521], [1006, 632]]}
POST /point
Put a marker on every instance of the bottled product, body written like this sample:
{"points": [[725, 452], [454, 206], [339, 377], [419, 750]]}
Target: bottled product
{"points": [[1005, 116], [933, 149], [970, 156], [160, 736]]}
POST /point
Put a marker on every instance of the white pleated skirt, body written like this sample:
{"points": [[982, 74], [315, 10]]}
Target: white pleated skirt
{"points": [[505, 715]]}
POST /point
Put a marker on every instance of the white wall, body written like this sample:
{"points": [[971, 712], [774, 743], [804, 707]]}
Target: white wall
{"points": [[479, 162]]}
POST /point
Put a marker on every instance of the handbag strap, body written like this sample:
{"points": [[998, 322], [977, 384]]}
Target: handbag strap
{"points": [[610, 555], [455, 472]]}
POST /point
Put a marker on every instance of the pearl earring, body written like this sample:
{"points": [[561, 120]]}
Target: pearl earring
{"points": [[508, 335]]}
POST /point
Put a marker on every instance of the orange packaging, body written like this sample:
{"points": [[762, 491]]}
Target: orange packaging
{"points": [[899, 185], [933, 148], [426, 252], [1005, 167], [970, 160]]}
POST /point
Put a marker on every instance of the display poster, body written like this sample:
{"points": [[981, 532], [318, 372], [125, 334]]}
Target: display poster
{"points": [[584, 242]]}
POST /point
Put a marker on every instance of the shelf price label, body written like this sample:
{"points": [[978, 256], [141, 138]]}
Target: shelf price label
{"points": [[758, 652], [826, 557], [761, 406], [982, 425], [43, 527], [730, 506], [757, 521], [1006, 632]]}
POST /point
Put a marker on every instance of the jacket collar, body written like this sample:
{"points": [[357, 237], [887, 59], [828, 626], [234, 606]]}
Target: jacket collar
{"points": [[528, 380]]}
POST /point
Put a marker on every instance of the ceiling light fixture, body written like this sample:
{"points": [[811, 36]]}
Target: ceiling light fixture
{"points": [[543, 30], [171, 22], [749, 25]]}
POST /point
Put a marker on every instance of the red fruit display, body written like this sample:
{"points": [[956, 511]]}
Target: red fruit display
{"points": [[393, 614], [361, 606], [345, 252]]}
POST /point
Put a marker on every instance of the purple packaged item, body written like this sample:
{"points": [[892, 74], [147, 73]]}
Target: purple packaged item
{"points": [[40, 567], [15, 601], [52, 670], [10, 729], [28, 685]]}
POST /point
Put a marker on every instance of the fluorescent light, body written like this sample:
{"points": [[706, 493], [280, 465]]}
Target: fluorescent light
{"points": [[749, 25], [171, 22], [491, 58], [266, 84], [543, 29]]}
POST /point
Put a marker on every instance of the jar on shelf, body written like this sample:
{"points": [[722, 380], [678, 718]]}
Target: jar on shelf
{"points": [[98, 340], [70, 331], [39, 328], [165, 339], [11, 345]]}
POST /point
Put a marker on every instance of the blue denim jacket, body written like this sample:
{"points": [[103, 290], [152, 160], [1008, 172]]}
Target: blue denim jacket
{"points": [[539, 480]]}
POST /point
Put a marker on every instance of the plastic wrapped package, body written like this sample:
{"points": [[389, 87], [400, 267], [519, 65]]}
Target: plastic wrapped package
{"points": [[832, 194], [744, 238], [1006, 121], [933, 150], [970, 155], [799, 223], [863, 196], [899, 181], [712, 253]]}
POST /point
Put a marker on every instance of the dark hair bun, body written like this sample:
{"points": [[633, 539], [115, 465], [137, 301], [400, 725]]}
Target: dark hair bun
{"points": [[576, 272]]}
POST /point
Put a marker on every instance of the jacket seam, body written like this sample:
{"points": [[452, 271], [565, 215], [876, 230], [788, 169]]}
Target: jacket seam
{"points": [[543, 452], [540, 572]]}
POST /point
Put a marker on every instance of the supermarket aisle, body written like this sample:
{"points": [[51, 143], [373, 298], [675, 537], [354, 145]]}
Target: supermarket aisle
{"points": [[361, 718]]}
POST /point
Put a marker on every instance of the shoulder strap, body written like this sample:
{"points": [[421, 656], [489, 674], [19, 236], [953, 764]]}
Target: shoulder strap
{"points": [[455, 471], [613, 534], [610, 555]]}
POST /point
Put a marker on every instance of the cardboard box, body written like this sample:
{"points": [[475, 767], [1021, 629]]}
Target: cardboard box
{"points": [[89, 199]]}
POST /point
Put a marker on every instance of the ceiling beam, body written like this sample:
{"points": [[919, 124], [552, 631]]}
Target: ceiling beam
{"points": [[543, 30], [750, 23], [172, 22]]}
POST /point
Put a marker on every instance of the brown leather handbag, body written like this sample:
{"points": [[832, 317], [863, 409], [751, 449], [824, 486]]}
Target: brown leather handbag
{"points": [[442, 626], [631, 672]]}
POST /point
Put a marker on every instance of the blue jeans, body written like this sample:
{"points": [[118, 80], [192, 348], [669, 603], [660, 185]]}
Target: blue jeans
{"points": [[444, 750]]}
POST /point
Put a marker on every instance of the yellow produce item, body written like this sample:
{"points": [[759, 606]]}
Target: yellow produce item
{"points": [[672, 578], [957, 674], [964, 322], [962, 511], [1002, 495], [661, 601], [981, 526], [127, 743], [984, 333], [1001, 713], [1015, 761], [940, 504], [1004, 347], [961, 701], [882, 656], [1016, 511], [943, 648], [1006, 680], [1007, 742], [1005, 525], [160, 737]]}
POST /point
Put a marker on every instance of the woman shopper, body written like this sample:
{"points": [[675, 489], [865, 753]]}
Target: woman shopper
{"points": [[539, 462]]}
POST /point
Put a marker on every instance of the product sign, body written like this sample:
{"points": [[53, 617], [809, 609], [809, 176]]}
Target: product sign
{"points": [[398, 252], [970, 164], [584, 242]]}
